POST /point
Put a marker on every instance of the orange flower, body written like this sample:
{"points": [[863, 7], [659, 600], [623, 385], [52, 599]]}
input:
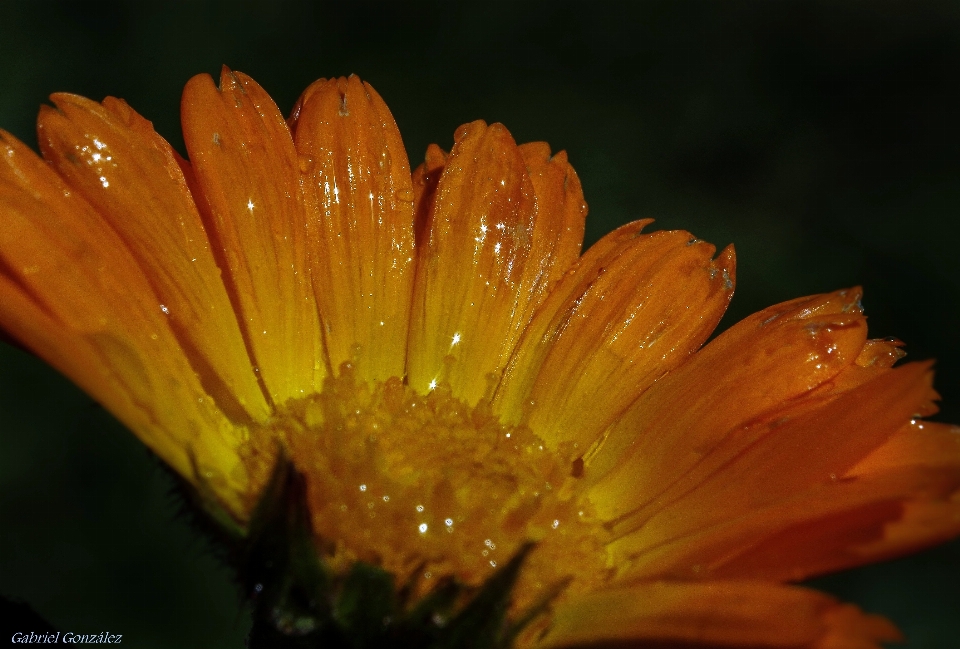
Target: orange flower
{"points": [[454, 381]]}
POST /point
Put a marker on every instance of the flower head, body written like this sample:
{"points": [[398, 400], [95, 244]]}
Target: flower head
{"points": [[467, 406]]}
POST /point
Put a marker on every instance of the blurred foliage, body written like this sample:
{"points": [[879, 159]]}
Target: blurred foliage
{"points": [[821, 137]]}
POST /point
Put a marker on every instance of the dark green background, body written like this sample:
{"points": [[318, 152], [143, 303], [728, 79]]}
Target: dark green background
{"points": [[822, 138]]}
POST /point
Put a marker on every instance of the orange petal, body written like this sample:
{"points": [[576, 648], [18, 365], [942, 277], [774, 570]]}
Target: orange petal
{"points": [[877, 530], [248, 181], [922, 443], [113, 158], [875, 359], [715, 614], [511, 400], [357, 186], [426, 177], [829, 527], [750, 370], [813, 448], [80, 360], [101, 326], [492, 242], [560, 215], [924, 447], [831, 440], [624, 316]]}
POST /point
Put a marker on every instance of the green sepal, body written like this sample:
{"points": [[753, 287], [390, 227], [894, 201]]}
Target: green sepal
{"points": [[431, 613], [298, 602], [197, 505], [366, 605], [540, 607], [290, 588], [482, 623]]}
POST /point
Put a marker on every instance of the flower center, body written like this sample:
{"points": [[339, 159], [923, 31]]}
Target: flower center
{"points": [[427, 487]]}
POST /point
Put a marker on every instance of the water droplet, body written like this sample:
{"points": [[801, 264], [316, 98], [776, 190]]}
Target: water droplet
{"points": [[423, 528], [727, 282]]}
